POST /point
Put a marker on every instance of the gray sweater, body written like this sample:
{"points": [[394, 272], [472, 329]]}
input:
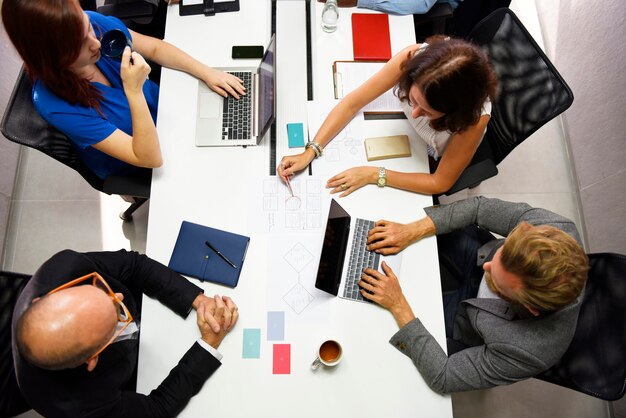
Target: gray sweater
{"points": [[506, 345]]}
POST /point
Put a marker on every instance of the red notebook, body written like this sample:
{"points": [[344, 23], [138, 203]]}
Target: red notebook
{"points": [[370, 36]]}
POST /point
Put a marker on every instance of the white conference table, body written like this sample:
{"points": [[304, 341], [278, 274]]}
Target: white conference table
{"points": [[216, 187]]}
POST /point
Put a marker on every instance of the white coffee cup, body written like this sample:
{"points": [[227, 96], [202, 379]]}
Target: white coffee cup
{"points": [[329, 354]]}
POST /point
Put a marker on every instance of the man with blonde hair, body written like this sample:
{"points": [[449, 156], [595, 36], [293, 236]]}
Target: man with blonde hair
{"points": [[511, 305]]}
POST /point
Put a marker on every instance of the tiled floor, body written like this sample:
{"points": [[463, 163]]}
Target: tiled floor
{"points": [[55, 209]]}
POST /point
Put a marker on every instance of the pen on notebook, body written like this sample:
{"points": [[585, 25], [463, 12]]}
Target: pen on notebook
{"points": [[208, 244]]}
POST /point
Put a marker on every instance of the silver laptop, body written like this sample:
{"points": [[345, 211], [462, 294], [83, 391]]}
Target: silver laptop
{"points": [[346, 239], [230, 122]]}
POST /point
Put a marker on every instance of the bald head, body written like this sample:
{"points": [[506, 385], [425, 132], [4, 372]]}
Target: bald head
{"points": [[64, 329]]}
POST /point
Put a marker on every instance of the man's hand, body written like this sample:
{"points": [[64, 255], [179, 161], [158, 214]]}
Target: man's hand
{"points": [[208, 302], [343, 3], [214, 327], [391, 237], [209, 306], [385, 290]]}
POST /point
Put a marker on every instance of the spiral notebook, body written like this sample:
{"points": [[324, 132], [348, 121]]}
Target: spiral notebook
{"points": [[193, 257]]}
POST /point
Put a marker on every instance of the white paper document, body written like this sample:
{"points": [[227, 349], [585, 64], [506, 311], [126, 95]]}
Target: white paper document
{"points": [[275, 210], [349, 75], [293, 260], [345, 150]]}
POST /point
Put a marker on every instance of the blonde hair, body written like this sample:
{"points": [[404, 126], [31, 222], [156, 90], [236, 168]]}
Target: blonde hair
{"points": [[551, 264]]}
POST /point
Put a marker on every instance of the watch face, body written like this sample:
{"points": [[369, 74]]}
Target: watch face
{"points": [[382, 181]]}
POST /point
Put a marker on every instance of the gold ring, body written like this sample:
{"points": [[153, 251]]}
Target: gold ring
{"points": [[344, 186]]}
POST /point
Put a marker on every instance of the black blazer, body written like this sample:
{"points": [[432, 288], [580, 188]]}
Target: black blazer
{"points": [[105, 391]]}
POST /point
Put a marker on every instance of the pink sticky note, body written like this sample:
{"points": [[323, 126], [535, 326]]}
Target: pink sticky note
{"points": [[282, 359]]}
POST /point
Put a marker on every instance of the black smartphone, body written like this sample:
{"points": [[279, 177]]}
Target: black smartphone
{"points": [[247, 51]]}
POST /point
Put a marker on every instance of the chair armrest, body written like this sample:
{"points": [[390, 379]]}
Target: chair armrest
{"points": [[136, 184], [473, 175]]}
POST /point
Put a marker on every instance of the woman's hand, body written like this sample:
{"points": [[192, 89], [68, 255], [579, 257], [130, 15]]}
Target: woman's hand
{"points": [[133, 73], [291, 164], [223, 83], [391, 237], [350, 180]]}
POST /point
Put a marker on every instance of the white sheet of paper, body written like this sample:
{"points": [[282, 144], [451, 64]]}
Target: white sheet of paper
{"points": [[350, 75], [292, 268], [276, 211], [345, 150]]}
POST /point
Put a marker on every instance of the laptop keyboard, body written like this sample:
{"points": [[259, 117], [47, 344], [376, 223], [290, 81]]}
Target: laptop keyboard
{"points": [[237, 117], [360, 259]]}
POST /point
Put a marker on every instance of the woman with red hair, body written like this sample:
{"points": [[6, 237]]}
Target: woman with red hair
{"points": [[107, 108]]}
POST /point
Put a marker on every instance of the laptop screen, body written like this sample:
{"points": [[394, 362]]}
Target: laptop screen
{"points": [[267, 80], [333, 249]]}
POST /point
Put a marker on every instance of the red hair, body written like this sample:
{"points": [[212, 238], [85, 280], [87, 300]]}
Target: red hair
{"points": [[48, 35]]}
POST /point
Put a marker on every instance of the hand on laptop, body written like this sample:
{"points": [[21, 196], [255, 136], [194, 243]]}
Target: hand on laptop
{"points": [[343, 3], [388, 238], [223, 83], [384, 289]]}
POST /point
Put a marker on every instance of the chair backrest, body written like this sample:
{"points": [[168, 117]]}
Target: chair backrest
{"points": [[531, 91], [22, 124], [469, 12], [595, 362], [11, 400], [128, 11]]}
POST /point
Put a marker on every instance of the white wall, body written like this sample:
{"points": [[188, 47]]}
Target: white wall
{"points": [[585, 40]]}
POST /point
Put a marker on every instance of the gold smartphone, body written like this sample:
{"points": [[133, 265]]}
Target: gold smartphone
{"points": [[384, 147]]}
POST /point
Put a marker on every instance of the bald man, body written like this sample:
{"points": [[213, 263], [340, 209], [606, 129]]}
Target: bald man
{"points": [[75, 349]]}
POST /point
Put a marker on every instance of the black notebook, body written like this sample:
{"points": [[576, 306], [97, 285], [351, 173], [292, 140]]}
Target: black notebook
{"points": [[193, 256]]}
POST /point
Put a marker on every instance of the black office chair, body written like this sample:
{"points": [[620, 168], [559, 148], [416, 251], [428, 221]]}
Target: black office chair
{"points": [[432, 22], [469, 13], [22, 124], [532, 93], [595, 362], [11, 400], [129, 11]]}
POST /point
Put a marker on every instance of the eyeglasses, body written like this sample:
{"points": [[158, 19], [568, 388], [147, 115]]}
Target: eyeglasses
{"points": [[123, 314]]}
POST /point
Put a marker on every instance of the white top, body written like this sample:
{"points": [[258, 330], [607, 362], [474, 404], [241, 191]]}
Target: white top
{"points": [[436, 141]]}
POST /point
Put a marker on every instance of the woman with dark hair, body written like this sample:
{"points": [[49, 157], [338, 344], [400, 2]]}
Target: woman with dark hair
{"points": [[107, 108], [445, 87]]}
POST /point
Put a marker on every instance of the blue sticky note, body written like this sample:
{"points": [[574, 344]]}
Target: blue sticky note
{"points": [[275, 326], [251, 343], [295, 133]]}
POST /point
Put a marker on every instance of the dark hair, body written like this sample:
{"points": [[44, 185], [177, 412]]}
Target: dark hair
{"points": [[455, 78], [48, 35]]}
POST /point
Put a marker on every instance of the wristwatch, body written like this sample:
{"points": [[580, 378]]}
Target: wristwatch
{"points": [[382, 177]]}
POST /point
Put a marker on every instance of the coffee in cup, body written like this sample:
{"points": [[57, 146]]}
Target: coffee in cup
{"points": [[328, 354]]}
